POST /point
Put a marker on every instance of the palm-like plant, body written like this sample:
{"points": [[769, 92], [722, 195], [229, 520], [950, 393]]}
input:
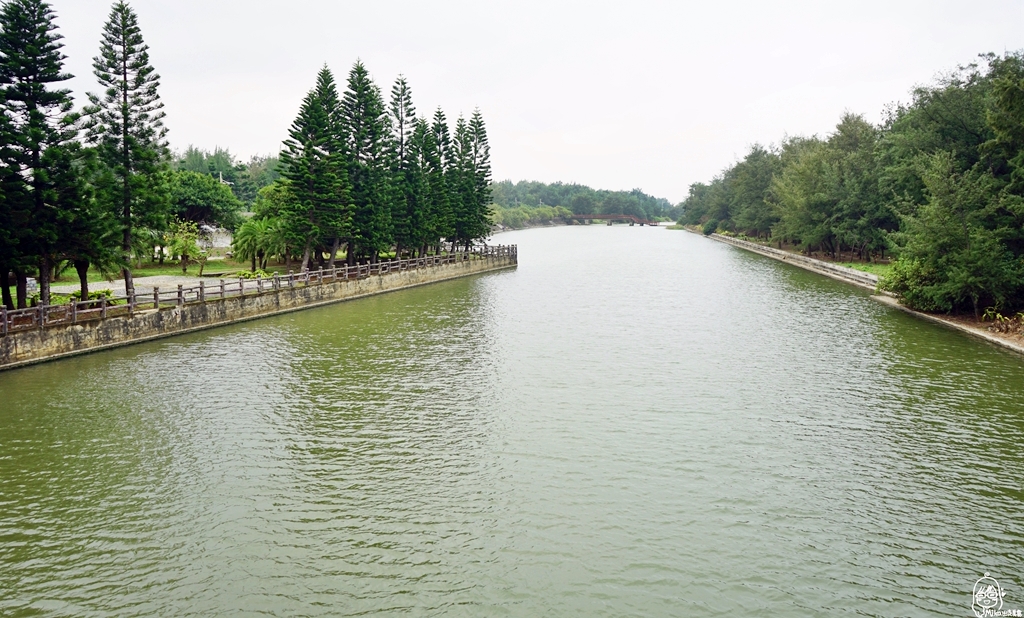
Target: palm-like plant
{"points": [[256, 240]]}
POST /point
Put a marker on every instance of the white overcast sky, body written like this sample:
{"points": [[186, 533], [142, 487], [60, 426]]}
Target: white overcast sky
{"points": [[617, 95]]}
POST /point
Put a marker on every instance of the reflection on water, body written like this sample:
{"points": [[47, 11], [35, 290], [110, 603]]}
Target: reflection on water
{"points": [[633, 422]]}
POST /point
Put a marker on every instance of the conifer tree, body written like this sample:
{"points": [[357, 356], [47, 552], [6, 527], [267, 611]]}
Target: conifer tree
{"points": [[460, 183], [314, 167], [40, 125], [367, 133], [406, 214], [480, 156], [126, 126], [440, 218]]}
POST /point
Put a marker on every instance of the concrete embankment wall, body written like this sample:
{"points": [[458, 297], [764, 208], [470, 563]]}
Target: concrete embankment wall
{"points": [[43, 344], [842, 273]]}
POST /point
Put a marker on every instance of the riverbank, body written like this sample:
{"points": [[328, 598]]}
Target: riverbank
{"points": [[870, 282], [50, 333]]}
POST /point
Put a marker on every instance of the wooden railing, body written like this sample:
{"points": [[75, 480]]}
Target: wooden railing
{"points": [[76, 312]]}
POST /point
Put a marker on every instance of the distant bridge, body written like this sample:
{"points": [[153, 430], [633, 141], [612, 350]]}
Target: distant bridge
{"points": [[610, 218]]}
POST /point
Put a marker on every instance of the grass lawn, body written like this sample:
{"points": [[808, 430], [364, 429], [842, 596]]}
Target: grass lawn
{"points": [[874, 268]]}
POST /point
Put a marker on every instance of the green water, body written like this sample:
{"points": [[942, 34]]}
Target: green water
{"points": [[635, 422]]}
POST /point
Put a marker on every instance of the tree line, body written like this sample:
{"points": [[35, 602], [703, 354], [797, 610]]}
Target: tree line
{"points": [[938, 185], [370, 176], [98, 187], [517, 204]]}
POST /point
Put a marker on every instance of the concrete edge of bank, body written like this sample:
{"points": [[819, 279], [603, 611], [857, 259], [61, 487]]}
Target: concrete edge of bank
{"points": [[36, 346], [865, 281]]}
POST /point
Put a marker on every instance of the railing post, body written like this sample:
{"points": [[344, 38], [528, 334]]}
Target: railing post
{"points": [[202, 291], [259, 284], [222, 289], [181, 296], [131, 303], [276, 283], [156, 297], [74, 311], [291, 280], [320, 277], [103, 307], [241, 286], [3, 319]]}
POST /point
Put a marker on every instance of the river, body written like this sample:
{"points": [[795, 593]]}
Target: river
{"points": [[635, 422]]}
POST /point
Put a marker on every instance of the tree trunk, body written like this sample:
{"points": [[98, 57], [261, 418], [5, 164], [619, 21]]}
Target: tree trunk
{"points": [[977, 314], [350, 258], [374, 256], [305, 258], [82, 267], [334, 252], [21, 289], [5, 287], [254, 262], [44, 280]]}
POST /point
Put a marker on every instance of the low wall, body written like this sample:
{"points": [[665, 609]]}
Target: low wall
{"points": [[18, 349], [835, 271]]}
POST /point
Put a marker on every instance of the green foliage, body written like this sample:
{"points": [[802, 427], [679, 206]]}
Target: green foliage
{"points": [[183, 241], [951, 258], [366, 126], [257, 240], [319, 206], [125, 125], [940, 183], [259, 273], [204, 199], [244, 179], [710, 227], [39, 132], [525, 216], [581, 199]]}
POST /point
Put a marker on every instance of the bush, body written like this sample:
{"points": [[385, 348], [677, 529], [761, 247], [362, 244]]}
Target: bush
{"points": [[710, 227], [259, 273]]}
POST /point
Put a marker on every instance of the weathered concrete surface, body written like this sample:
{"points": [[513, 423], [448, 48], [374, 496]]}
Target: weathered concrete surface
{"points": [[859, 278], [40, 345]]}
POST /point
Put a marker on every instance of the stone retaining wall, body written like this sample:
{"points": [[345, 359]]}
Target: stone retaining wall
{"points": [[44, 344], [849, 275]]}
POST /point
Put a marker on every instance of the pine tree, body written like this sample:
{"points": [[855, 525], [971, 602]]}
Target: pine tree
{"points": [[15, 215], [40, 125], [440, 217], [367, 134], [461, 183], [480, 157], [406, 214], [314, 167], [126, 126]]}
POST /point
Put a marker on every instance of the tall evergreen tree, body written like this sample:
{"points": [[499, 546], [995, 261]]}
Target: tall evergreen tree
{"points": [[126, 126], [315, 169], [480, 158], [470, 180], [367, 132], [41, 124], [440, 218], [406, 214], [15, 215]]}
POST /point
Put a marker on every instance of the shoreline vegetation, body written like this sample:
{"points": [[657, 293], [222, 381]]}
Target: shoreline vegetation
{"points": [[97, 188], [931, 198]]}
